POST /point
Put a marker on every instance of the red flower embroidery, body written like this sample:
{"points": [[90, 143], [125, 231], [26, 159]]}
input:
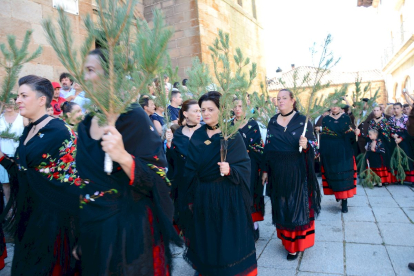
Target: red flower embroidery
{"points": [[156, 158], [44, 155], [56, 175], [62, 167], [70, 179], [67, 158], [78, 181]]}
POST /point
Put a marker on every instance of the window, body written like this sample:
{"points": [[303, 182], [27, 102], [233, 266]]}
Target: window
{"points": [[254, 9], [240, 2]]}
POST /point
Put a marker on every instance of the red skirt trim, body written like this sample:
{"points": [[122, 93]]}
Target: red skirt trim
{"points": [[2, 257], [383, 173], [257, 216], [343, 194], [297, 241], [409, 177]]}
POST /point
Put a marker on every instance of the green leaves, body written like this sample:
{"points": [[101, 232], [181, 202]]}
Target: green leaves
{"points": [[368, 178], [399, 163], [132, 54], [12, 60]]}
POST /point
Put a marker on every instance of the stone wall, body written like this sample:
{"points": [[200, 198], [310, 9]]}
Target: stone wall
{"points": [[182, 15], [17, 16], [245, 31], [196, 24]]}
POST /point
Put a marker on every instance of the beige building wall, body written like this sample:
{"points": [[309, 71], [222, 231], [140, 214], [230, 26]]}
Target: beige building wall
{"points": [[17, 16], [245, 30], [196, 24]]}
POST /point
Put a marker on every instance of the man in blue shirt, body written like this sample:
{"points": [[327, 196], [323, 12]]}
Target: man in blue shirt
{"points": [[174, 107]]}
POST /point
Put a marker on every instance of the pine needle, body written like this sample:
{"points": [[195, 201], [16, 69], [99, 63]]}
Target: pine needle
{"points": [[399, 164], [367, 176], [12, 60], [6, 134]]}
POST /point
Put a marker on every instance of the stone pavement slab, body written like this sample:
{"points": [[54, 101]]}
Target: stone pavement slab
{"points": [[326, 230], [359, 214], [377, 191], [386, 214], [324, 257], [274, 256], [367, 259], [409, 211], [359, 201], [383, 201], [397, 233], [362, 232], [400, 257]]}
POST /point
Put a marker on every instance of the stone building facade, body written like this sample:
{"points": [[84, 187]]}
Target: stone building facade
{"points": [[398, 45], [196, 24]]}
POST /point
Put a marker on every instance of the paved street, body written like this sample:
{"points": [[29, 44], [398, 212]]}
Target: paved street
{"points": [[376, 237]]}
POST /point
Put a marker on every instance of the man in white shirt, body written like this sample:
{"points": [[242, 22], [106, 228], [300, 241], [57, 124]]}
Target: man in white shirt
{"points": [[72, 92], [66, 90]]}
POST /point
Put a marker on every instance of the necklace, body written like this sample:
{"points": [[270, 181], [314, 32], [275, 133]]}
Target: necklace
{"points": [[287, 113], [335, 114], [213, 127], [190, 126], [378, 118], [38, 121]]}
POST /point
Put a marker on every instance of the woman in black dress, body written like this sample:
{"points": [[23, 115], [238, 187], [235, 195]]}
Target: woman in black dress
{"points": [[339, 171], [126, 216], [292, 183], [44, 187], [189, 121], [250, 132], [219, 231]]}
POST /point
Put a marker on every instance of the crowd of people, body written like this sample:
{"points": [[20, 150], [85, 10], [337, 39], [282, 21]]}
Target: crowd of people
{"points": [[169, 185]]}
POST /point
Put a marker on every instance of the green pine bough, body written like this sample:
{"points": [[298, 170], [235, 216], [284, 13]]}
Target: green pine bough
{"points": [[6, 134], [367, 176], [399, 164], [12, 61]]}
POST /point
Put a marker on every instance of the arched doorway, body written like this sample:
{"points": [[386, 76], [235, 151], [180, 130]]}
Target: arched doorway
{"points": [[407, 85], [396, 93]]}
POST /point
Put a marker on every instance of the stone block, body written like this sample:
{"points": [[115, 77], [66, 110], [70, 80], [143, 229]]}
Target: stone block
{"points": [[315, 259], [359, 214], [183, 42], [26, 11], [358, 201], [6, 8], [362, 232], [15, 27], [329, 231], [400, 190], [315, 274], [40, 70], [190, 50], [400, 257], [330, 213], [184, 7], [409, 211], [167, 3], [363, 259], [39, 35], [397, 233], [381, 192], [382, 201], [404, 201], [274, 256], [184, 61], [384, 214], [178, 34]]}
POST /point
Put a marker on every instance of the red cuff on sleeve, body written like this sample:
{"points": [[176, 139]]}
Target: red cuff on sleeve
{"points": [[2, 158], [306, 150], [132, 177], [229, 172]]}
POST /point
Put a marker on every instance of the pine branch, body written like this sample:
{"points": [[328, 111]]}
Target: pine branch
{"points": [[6, 134], [399, 164], [368, 178], [12, 61]]}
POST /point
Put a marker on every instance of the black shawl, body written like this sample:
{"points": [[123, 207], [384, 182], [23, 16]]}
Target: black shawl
{"points": [[45, 195]]}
